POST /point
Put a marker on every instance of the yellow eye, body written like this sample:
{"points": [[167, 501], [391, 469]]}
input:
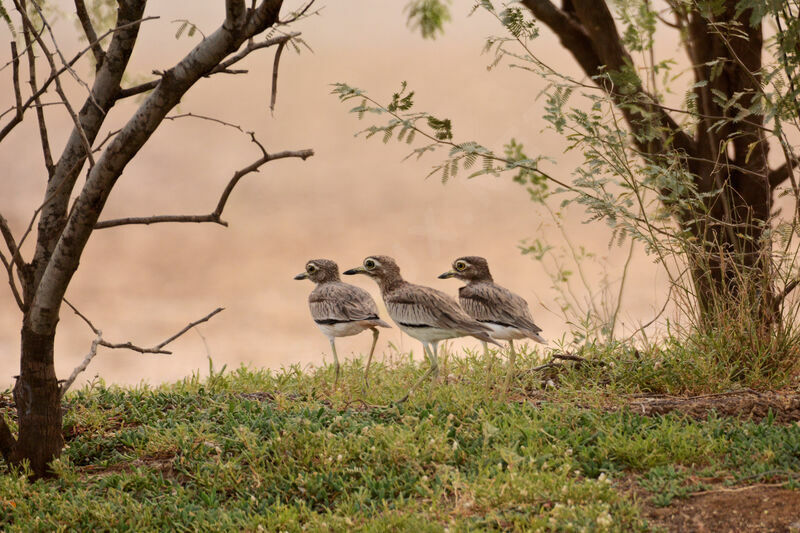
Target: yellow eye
{"points": [[461, 265], [311, 268], [369, 264]]}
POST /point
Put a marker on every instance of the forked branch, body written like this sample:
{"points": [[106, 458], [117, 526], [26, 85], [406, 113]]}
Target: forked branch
{"points": [[216, 215], [99, 341]]}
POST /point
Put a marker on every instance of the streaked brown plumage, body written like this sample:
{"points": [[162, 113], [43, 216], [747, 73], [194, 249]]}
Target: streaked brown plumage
{"points": [[340, 309], [424, 313], [506, 313]]}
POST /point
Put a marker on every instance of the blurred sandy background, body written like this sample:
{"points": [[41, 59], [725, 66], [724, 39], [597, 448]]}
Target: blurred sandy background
{"points": [[352, 199]]}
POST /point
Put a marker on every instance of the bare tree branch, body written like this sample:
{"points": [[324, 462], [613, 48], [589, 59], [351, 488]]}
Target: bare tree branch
{"points": [[67, 383], [99, 341], [588, 31], [274, 95], [10, 269], [15, 77], [300, 14], [214, 216], [27, 30], [137, 89], [59, 89], [88, 30], [54, 213], [34, 97], [252, 46]]}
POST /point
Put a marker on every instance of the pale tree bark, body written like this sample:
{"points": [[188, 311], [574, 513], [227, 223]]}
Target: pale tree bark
{"points": [[63, 230], [731, 225]]}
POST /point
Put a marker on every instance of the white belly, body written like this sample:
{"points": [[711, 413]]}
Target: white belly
{"points": [[505, 333], [430, 334], [342, 329]]}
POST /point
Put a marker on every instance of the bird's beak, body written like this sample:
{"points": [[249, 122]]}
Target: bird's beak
{"points": [[356, 270], [448, 274], [302, 275]]}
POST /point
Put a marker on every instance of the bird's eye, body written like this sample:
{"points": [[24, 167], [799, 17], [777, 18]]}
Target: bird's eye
{"points": [[311, 268], [461, 265], [369, 264]]}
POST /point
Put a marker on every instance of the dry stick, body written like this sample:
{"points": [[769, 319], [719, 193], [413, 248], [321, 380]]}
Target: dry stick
{"points": [[98, 341], [15, 75], [217, 213], [274, 95]]}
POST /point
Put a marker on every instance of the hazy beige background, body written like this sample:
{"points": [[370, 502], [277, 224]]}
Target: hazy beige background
{"points": [[352, 199]]}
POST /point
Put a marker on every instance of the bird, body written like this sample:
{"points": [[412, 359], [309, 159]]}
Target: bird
{"points": [[506, 313], [424, 313], [340, 309]]}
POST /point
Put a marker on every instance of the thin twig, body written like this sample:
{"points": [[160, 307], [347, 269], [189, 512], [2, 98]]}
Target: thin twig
{"points": [[222, 68], [9, 268], [216, 215], [15, 74], [274, 95]]}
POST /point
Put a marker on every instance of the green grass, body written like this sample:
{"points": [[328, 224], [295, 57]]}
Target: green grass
{"points": [[253, 450]]}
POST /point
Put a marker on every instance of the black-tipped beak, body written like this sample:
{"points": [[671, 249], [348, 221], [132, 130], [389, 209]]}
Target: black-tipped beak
{"points": [[356, 270], [448, 274], [302, 275]]}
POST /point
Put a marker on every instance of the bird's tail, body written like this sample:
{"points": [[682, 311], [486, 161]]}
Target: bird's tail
{"points": [[484, 336], [538, 338]]}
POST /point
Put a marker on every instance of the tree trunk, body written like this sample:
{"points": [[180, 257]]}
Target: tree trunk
{"points": [[730, 259], [38, 402]]}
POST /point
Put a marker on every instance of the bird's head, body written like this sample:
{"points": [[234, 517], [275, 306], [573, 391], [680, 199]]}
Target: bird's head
{"points": [[381, 268], [320, 271], [469, 268]]}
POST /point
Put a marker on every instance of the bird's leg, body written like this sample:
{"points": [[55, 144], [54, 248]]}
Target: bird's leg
{"points": [[510, 372], [375, 334], [425, 349], [335, 363], [490, 362], [434, 357]]}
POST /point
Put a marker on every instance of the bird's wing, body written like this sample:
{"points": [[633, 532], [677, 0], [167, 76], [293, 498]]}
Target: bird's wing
{"points": [[341, 302], [416, 305], [488, 302]]}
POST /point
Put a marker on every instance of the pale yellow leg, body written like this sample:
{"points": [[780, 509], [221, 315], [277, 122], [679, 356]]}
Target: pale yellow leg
{"points": [[335, 363], [490, 362], [510, 372], [375, 334], [434, 367]]}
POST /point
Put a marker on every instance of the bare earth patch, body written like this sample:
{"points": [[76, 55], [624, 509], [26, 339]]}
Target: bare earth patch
{"points": [[747, 404], [753, 508]]}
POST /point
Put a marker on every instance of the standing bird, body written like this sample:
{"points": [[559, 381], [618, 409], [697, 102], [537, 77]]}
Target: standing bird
{"points": [[340, 309], [426, 314], [503, 311]]}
